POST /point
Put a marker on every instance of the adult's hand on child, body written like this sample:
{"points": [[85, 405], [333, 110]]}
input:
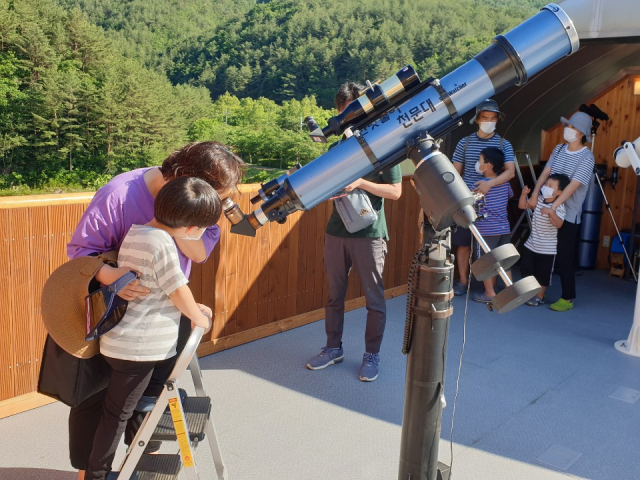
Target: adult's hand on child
{"points": [[532, 203], [133, 290], [108, 274], [482, 186]]}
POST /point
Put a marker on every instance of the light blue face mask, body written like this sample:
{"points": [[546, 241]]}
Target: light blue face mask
{"points": [[547, 192]]}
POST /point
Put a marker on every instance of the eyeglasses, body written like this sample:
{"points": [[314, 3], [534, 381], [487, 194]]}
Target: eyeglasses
{"points": [[104, 308]]}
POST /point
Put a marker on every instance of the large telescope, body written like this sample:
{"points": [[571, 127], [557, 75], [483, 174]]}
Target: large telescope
{"points": [[400, 109]]}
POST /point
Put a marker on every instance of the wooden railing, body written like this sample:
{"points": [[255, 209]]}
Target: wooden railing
{"points": [[256, 286]]}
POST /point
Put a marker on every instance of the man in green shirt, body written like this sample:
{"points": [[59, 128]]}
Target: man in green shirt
{"points": [[365, 250]]}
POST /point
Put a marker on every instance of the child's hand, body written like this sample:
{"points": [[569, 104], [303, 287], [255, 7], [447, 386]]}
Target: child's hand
{"points": [[545, 210], [206, 329], [525, 191], [206, 310]]}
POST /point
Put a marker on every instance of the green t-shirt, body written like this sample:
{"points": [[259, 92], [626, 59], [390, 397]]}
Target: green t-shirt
{"points": [[377, 229]]}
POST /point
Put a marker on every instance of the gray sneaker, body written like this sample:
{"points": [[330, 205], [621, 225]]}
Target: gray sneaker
{"points": [[459, 288], [328, 356], [369, 368]]}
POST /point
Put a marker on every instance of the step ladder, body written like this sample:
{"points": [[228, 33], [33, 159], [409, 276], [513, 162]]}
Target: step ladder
{"points": [[185, 420], [527, 213]]}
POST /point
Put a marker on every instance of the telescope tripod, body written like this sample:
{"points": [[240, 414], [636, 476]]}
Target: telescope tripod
{"points": [[594, 129], [446, 201]]}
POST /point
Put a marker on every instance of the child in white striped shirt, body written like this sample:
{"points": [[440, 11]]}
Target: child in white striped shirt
{"points": [[148, 332], [538, 256]]}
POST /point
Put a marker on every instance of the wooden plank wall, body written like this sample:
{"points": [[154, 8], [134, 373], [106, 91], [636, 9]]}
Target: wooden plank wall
{"points": [[623, 108], [256, 286], [34, 235]]}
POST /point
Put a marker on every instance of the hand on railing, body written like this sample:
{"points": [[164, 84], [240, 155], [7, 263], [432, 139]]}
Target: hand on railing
{"points": [[207, 313]]}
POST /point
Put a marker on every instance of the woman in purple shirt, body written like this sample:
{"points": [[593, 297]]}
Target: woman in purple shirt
{"points": [[126, 200]]}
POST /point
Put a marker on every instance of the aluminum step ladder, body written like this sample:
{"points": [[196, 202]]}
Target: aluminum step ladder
{"points": [[185, 420], [527, 213]]}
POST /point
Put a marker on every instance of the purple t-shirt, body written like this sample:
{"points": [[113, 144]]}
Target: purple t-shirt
{"points": [[122, 202]]}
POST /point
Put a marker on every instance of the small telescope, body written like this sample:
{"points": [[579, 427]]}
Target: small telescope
{"points": [[628, 155]]}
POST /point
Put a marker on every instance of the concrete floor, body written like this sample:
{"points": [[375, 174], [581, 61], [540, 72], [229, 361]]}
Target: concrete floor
{"points": [[539, 398]]}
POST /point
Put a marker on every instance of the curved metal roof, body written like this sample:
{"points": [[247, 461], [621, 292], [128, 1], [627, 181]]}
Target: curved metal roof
{"points": [[609, 33]]}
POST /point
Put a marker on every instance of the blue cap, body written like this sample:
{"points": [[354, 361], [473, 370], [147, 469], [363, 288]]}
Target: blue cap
{"points": [[488, 105]]}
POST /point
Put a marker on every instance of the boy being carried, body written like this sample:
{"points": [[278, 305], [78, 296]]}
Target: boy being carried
{"points": [[148, 332], [540, 249], [494, 227]]}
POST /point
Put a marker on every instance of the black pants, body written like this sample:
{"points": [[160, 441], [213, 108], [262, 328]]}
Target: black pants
{"points": [[537, 264], [566, 260], [127, 382], [85, 417]]}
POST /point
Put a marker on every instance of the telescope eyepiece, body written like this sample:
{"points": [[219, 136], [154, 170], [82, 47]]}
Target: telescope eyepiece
{"points": [[315, 132], [232, 211]]}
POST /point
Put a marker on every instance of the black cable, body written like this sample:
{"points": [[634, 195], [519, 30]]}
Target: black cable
{"points": [[464, 342]]}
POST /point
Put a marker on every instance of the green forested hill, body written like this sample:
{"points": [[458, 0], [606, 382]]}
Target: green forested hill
{"points": [[89, 88], [287, 49]]}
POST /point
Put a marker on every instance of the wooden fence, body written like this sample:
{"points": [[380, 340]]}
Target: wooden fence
{"points": [[256, 286]]}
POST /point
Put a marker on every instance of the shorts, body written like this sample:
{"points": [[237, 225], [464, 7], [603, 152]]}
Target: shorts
{"points": [[494, 241], [461, 237]]}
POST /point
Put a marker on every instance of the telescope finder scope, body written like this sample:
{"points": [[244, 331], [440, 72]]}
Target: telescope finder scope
{"points": [[374, 100]]}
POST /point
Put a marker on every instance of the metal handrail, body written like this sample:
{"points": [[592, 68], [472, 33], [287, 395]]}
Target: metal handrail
{"points": [[188, 353]]}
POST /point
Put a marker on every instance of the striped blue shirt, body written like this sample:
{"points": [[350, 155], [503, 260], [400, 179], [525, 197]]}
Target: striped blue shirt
{"points": [[469, 158], [577, 166], [496, 221]]}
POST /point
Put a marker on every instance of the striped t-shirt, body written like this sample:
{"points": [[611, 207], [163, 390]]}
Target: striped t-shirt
{"points": [[496, 221], [472, 155], [577, 166], [149, 329], [544, 236]]}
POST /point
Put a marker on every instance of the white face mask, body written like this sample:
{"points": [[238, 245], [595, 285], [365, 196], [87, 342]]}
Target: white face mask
{"points": [[488, 127], [195, 239], [547, 192], [481, 172], [570, 135]]}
